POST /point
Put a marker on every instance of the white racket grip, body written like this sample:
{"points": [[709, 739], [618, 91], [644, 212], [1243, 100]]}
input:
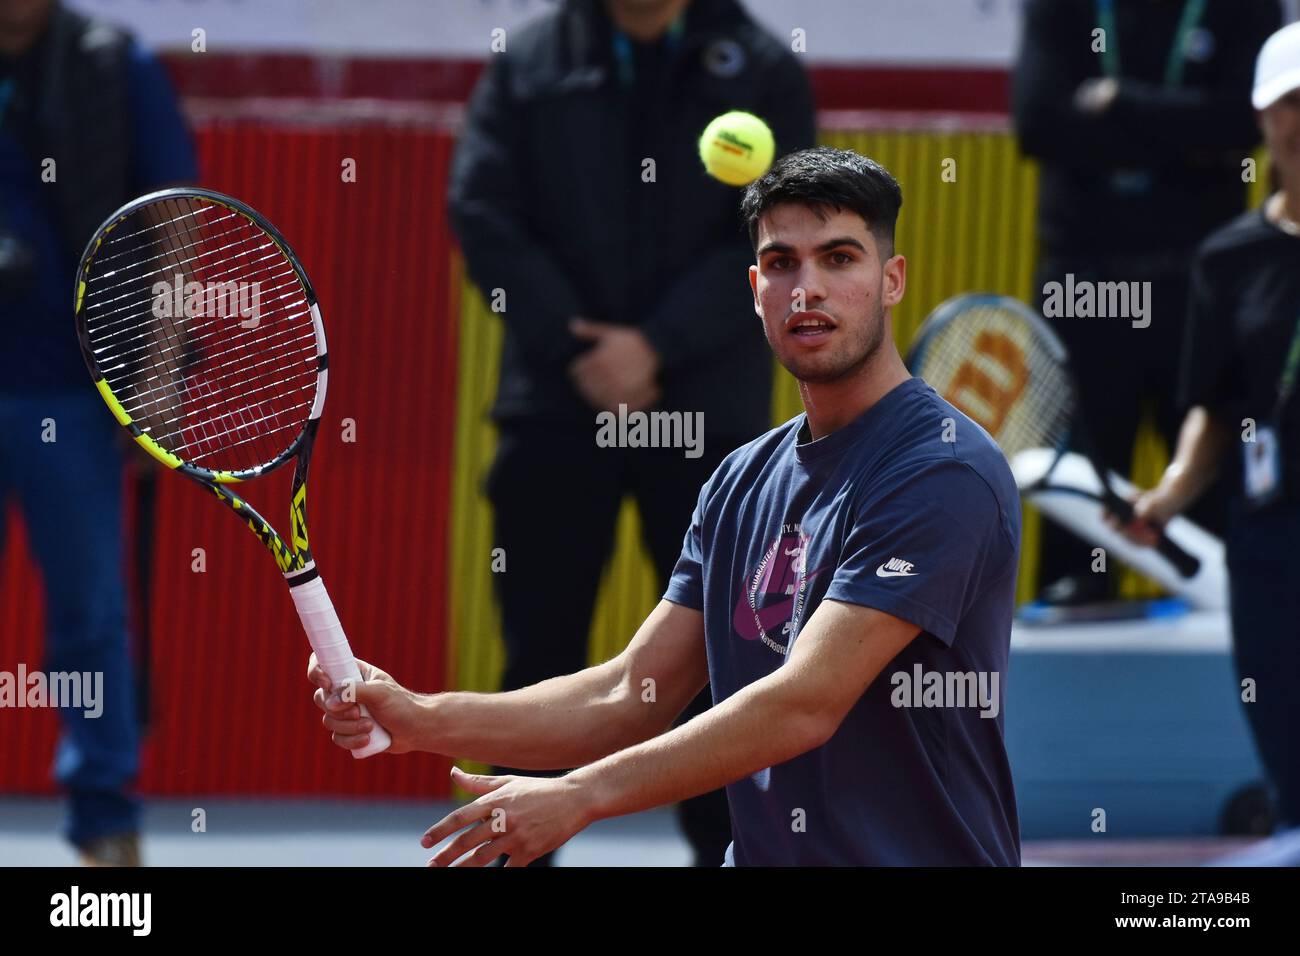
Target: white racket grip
{"points": [[332, 649]]}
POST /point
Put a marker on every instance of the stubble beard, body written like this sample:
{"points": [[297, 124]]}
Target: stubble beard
{"points": [[847, 360]]}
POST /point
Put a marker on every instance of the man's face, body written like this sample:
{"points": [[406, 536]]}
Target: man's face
{"points": [[821, 289], [1281, 126]]}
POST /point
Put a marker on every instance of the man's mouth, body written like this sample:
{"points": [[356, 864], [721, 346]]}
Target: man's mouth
{"points": [[811, 325]]}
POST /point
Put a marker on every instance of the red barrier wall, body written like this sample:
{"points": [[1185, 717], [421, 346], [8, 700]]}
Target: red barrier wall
{"points": [[842, 87], [231, 702]]}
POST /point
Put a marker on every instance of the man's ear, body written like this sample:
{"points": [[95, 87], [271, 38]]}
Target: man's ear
{"points": [[894, 280], [753, 288]]}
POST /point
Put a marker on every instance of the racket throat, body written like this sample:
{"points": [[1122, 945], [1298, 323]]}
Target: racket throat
{"points": [[300, 576]]}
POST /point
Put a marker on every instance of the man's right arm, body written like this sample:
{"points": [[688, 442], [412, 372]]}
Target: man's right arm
{"points": [[557, 724]]}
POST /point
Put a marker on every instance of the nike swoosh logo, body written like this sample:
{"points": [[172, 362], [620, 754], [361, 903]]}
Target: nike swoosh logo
{"points": [[882, 573]]}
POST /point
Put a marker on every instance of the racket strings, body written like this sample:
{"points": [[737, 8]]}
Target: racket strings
{"points": [[133, 346], [115, 317], [204, 332], [157, 407], [174, 265], [177, 262], [213, 356], [174, 260], [236, 421], [173, 257], [234, 401], [126, 236]]}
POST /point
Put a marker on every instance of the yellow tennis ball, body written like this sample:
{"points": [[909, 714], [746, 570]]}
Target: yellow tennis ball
{"points": [[737, 148]]}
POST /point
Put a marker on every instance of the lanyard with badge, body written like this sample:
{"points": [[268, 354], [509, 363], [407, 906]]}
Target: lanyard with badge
{"points": [[1139, 181], [1263, 456], [1187, 23]]}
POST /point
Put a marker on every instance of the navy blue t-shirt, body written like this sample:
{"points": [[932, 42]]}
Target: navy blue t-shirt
{"points": [[162, 154], [910, 509]]}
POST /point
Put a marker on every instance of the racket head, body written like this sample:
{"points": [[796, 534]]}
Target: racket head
{"points": [[1001, 365], [202, 333]]}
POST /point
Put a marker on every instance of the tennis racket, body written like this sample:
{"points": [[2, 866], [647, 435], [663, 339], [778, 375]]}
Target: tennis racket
{"points": [[997, 361], [203, 336]]}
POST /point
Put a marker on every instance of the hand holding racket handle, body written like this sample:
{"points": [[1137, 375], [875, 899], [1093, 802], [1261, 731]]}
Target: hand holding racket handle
{"points": [[332, 649], [1187, 564]]}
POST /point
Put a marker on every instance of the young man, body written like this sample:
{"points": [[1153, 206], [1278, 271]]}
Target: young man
{"points": [[846, 584], [621, 293]]}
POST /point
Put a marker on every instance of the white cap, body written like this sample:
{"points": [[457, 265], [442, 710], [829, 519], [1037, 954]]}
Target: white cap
{"points": [[1277, 70]]}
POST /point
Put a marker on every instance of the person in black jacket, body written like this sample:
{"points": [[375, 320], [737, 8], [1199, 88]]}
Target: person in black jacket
{"points": [[618, 267], [1139, 114]]}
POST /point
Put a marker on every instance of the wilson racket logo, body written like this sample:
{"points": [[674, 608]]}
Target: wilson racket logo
{"points": [[987, 385]]}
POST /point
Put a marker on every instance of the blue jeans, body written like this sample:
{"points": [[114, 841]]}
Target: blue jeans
{"points": [[70, 494]]}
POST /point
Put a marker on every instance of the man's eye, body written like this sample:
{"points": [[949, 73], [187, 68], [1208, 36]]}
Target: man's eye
{"points": [[781, 262], [841, 258]]}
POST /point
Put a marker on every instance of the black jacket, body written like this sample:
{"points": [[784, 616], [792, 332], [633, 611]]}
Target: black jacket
{"points": [[1186, 143], [548, 201]]}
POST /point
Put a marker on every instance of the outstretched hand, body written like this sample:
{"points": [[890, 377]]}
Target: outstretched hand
{"points": [[520, 817]]}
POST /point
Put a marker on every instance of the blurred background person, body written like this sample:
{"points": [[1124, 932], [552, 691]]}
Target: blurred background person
{"points": [[1238, 383], [1140, 131], [622, 288], [83, 94]]}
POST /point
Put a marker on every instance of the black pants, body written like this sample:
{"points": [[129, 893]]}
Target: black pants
{"points": [[1119, 368], [555, 499], [1263, 573]]}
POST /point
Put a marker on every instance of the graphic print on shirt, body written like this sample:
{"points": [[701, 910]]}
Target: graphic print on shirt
{"points": [[773, 594]]}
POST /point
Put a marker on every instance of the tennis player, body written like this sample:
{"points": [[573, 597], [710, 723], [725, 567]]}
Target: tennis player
{"points": [[846, 586]]}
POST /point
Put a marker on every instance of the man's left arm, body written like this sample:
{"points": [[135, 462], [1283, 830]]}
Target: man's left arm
{"points": [[798, 707], [840, 651]]}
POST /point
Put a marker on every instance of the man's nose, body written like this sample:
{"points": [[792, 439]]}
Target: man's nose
{"points": [[811, 284]]}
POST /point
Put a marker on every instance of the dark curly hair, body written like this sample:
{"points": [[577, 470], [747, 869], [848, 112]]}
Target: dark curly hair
{"points": [[825, 179]]}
